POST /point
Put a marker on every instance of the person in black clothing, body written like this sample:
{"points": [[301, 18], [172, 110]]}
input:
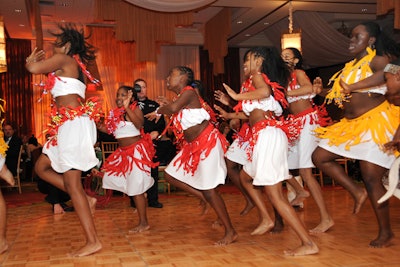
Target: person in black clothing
{"points": [[162, 146], [14, 145]]}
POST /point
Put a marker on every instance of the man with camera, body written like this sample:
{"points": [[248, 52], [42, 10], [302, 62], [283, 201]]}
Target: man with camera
{"points": [[155, 129]]}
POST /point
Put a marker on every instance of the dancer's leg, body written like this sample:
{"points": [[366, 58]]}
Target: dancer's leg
{"points": [[143, 225]]}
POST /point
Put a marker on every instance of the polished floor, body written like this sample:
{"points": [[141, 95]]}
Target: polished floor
{"points": [[180, 237]]}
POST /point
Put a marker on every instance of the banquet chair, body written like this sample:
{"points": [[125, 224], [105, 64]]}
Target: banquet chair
{"points": [[108, 148], [162, 180]]}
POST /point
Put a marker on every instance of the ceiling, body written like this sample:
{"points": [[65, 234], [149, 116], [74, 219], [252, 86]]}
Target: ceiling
{"points": [[250, 18]]}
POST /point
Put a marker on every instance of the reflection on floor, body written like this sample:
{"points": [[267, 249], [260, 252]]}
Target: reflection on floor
{"points": [[180, 237]]}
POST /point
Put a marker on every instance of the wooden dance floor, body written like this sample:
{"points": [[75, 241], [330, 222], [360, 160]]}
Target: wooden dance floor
{"points": [[180, 237]]}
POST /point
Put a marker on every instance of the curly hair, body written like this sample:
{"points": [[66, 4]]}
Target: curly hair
{"points": [[69, 33]]}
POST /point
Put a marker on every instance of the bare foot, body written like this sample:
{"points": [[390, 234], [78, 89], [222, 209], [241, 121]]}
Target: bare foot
{"points": [[323, 226], [306, 249], [359, 201], [247, 209], [300, 198], [264, 227], [278, 227], [381, 241], [228, 238], [92, 204], [140, 228], [217, 223], [3, 247], [205, 207], [87, 250], [57, 209], [7, 176]]}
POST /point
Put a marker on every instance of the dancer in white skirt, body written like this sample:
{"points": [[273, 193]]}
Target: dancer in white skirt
{"points": [[199, 166], [73, 124], [299, 95], [369, 122], [128, 168], [7, 176], [261, 100], [236, 155]]}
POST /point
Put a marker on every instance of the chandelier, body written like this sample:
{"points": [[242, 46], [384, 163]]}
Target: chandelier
{"points": [[3, 61], [291, 39]]}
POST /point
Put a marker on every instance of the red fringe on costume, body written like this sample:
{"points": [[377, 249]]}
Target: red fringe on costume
{"points": [[122, 160], [175, 125], [115, 116], [200, 147], [290, 126], [321, 119], [91, 108], [277, 92], [244, 134]]}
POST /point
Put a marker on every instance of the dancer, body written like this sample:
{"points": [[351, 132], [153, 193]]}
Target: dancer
{"points": [[128, 168], [299, 95], [261, 100], [7, 176], [236, 155], [71, 150], [199, 167], [369, 122]]}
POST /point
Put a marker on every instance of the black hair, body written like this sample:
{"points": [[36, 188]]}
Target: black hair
{"points": [[189, 73], [297, 54], [384, 44], [130, 88], [273, 65], [33, 140], [70, 34]]}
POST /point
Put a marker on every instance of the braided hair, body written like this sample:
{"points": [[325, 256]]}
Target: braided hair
{"points": [[189, 73], [70, 34], [273, 65]]}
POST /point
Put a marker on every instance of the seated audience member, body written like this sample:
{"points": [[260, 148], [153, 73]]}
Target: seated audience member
{"points": [[14, 144], [55, 197], [33, 150]]}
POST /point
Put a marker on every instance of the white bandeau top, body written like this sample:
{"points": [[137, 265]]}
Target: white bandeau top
{"points": [[266, 104], [68, 86], [126, 129], [193, 116]]}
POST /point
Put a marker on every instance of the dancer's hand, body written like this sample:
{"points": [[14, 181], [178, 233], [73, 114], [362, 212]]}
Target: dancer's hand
{"points": [[36, 56], [230, 91], [221, 97], [317, 86], [222, 113]]}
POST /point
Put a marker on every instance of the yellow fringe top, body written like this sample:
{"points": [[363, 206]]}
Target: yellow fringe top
{"points": [[381, 122], [351, 75], [3, 145]]}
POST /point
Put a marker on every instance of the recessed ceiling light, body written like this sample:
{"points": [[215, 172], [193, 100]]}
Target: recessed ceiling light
{"points": [[17, 10], [266, 23], [21, 25], [247, 35], [239, 22]]}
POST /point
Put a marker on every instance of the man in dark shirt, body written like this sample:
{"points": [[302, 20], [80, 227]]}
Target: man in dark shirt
{"points": [[155, 129], [14, 145]]}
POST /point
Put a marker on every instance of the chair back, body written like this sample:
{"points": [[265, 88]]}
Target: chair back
{"points": [[108, 148]]}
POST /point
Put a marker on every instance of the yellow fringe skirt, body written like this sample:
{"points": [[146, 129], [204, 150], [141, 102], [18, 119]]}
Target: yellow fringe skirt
{"points": [[362, 138]]}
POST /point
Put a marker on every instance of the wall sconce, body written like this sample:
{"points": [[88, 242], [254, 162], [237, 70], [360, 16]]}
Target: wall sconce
{"points": [[3, 60], [291, 39]]}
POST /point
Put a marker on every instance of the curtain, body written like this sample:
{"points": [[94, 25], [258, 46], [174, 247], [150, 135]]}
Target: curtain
{"points": [[16, 87]]}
